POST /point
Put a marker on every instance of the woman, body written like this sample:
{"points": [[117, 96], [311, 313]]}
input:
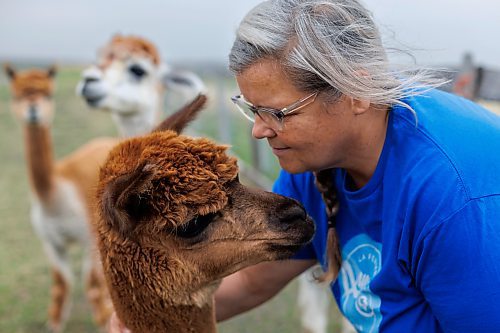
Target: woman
{"points": [[410, 174], [416, 172]]}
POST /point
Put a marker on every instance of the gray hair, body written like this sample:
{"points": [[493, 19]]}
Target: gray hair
{"points": [[332, 46]]}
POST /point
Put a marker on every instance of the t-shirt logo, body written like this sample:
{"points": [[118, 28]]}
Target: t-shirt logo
{"points": [[361, 262]]}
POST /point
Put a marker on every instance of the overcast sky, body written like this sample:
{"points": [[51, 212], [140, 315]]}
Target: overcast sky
{"points": [[439, 31]]}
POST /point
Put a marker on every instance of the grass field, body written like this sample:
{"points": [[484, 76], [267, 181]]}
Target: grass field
{"points": [[24, 274]]}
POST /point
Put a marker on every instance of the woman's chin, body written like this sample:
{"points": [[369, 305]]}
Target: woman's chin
{"points": [[292, 167]]}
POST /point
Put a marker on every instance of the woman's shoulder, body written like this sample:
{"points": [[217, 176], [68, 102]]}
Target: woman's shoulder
{"points": [[451, 138]]}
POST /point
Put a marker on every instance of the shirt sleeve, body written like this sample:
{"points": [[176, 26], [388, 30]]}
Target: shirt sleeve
{"points": [[286, 186], [458, 269]]}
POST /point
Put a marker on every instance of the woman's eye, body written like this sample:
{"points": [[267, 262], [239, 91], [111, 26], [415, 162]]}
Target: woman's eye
{"points": [[195, 226], [137, 71]]}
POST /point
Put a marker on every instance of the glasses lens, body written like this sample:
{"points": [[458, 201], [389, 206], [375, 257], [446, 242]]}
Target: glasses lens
{"points": [[270, 119], [244, 108], [250, 112]]}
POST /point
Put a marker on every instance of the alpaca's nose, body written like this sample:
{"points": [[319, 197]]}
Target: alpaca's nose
{"points": [[290, 213], [85, 91], [33, 116], [88, 80], [293, 213], [90, 86], [291, 218]]}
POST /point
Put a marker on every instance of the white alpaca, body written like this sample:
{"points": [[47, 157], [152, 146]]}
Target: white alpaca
{"points": [[130, 80]]}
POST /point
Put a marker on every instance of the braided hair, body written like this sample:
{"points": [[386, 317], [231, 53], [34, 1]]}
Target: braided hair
{"points": [[325, 185]]}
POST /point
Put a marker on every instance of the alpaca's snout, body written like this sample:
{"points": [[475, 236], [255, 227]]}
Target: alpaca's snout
{"points": [[291, 213], [91, 87], [291, 217]]}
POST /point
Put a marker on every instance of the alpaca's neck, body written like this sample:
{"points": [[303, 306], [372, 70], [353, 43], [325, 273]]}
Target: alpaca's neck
{"points": [[147, 295], [134, 124], [138, 123], [179, 319], [193, 319], [40, 159], [148, 313]]}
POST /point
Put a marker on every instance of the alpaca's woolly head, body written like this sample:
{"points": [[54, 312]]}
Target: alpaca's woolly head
{"points": [[32, 92], [175, 218], [130, 79], [177, 201], [126, 78], [124, 47], [180, 178]]}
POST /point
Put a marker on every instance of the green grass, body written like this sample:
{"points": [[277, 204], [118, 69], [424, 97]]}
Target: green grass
{"points": [[24, 269]]}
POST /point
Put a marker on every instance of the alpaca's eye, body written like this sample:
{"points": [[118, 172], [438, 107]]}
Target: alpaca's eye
{"points": [[137, 71], [194, 227]]}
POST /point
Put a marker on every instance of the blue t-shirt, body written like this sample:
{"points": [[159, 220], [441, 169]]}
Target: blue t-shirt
{"points": [[420, 242]]}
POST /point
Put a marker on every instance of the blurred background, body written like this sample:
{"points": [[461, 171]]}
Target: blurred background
{"points": [[459, 35], [439, 32]]}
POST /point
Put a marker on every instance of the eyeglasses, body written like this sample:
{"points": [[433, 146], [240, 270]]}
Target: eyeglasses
{"points": [[272, 117]]}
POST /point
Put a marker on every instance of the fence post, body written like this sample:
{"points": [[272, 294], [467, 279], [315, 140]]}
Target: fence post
{"points": [[224, 121]]}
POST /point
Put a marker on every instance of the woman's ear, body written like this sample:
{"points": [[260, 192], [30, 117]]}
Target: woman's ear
{"points": [[359, 106]]}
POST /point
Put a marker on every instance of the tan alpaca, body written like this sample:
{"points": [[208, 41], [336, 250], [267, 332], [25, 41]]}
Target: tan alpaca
{"points": [[130, 80], [175, 220], [63, 194]]}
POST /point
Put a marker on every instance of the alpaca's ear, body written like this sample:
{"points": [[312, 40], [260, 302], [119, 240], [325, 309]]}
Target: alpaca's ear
{"points": [[121, 202], [116, 36], [9, 70], [181, 81], [52, 71], [179, 120]]}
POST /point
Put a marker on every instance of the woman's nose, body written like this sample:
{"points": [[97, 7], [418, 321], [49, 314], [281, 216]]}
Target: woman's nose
{"points": [[261, 129]]}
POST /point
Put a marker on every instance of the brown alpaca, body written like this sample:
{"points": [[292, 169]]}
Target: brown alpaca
{"points": [[175, 220], [63, 194]]}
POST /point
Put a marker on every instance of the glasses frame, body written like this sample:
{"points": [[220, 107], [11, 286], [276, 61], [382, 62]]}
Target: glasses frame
{"points": [[278, 114]]}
